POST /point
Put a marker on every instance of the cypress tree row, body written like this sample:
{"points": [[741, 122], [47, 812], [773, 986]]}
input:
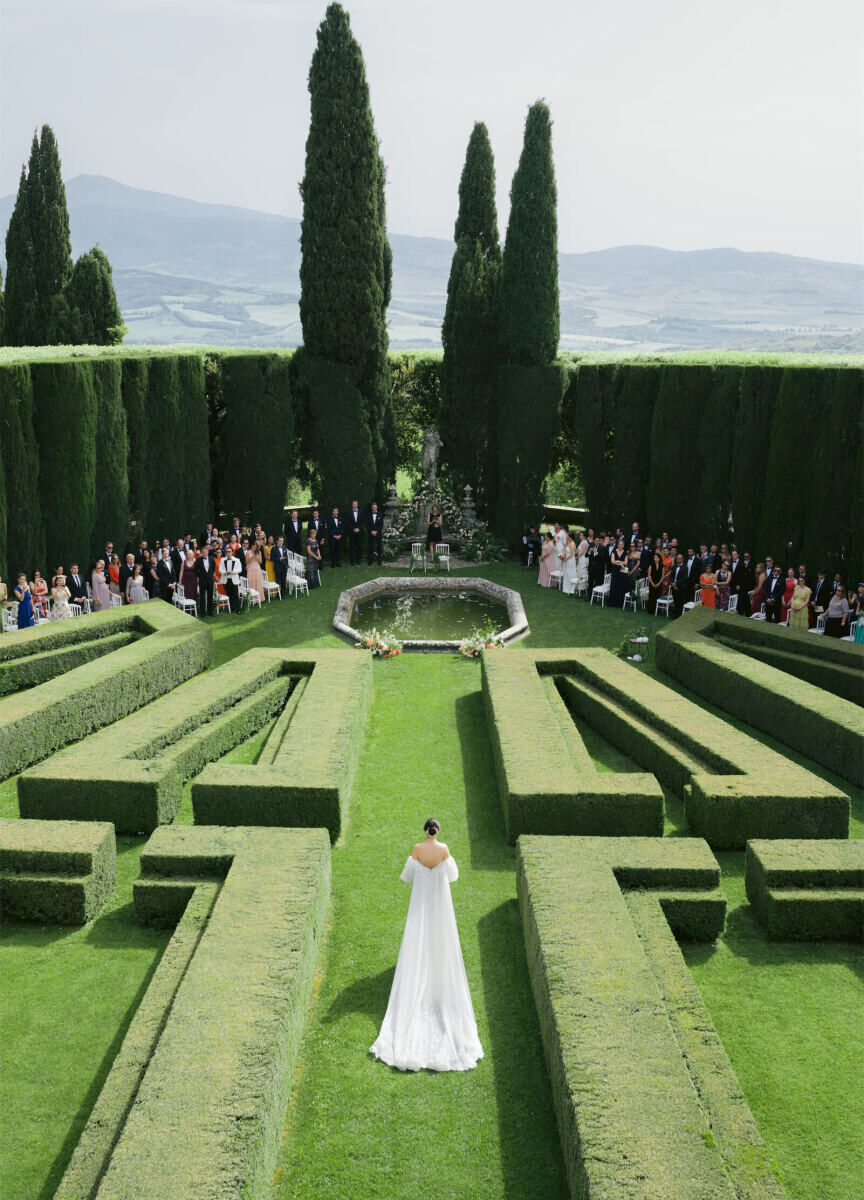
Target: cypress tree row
{"points": [[165, 449], [345, 274], [530, 382], [92, 313], [676, 458], [134, 394], [20, 308], [111, 517], [48, 219], [588, 424], [65, 408], [631, 462], [468, 334], [834, 531], [719, 415], [24, 545], [196, 498], [756, 399]]}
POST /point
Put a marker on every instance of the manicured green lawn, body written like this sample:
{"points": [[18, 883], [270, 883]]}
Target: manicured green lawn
{"points": [[790, 1016]]}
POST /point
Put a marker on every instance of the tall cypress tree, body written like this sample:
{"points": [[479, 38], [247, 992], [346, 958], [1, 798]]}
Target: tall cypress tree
{"points": [[530, 383], [345, 274], [468, 334], [20, 309], [49, 227], [94, 314], [25, 547], [111, 512]]}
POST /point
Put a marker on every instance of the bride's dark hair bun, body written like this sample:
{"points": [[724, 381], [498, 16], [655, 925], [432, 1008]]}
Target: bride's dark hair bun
{"points": [[431, 826]]}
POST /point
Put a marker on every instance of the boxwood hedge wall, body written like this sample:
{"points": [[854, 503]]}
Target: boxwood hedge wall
{"points": [[804, 889], [56, 872]]}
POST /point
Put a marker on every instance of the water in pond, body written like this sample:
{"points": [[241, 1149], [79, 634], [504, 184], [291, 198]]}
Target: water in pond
{"points": [[418, 616]]}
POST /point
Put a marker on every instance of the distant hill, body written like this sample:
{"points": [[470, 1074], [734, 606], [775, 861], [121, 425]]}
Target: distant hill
{"points": [[208, 273]]}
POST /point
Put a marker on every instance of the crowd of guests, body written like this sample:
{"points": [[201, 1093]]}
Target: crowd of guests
{"points": [[797, 597], [205, 567]]}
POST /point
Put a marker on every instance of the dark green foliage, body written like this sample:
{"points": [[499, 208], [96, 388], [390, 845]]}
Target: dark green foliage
{"points": [[257, 411], [20, 307], [197, 475], [749, 451], [477, 218], [134, 392], [529, 419], [834, 482], [165, 449], [588, 423], [48, 219], [416, 391], [807, 889], [631, 463], [339, 437], [93, 312], [34, 669], [719, 416], [56, 872], [111, 519], [23, 547], [346, 268], [826, 728], [36, 722], [676, 452], [65, 409]]}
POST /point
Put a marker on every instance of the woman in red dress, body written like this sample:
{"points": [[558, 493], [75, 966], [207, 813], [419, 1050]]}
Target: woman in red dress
{"points": [[791, 583]]}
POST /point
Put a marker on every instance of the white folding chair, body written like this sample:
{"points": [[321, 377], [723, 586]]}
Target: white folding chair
{"points": [[732, 606], [601, 591], [418, 551], [639, 595], [556, 579], [760, 616], [222, 601], [9, 618], [442, 551], [269, 588], [41, 611], [665, 604], [697, 599], [114, 601], [299, 583], [180, 601], [248, 596], [819, 627], [850, 636], [75, 610]]}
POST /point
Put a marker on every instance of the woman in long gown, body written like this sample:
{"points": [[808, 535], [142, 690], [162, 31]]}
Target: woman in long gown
{"points": [[99, 588], [429, 1021], [582, 558], [188, 579], [269, 567], [570, 567], [24, 596], [708, 588], [723, 581], [548, 560], [656, 582], [619, 584], [254, 574], [313, 560], [799, 606], [788, 591], [758, 593], [61, 596]]}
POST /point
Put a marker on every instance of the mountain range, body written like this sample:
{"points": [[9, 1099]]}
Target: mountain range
{"points": [[210, 274]]}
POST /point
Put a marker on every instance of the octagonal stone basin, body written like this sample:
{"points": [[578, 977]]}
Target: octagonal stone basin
{"points": [[514, 626]]}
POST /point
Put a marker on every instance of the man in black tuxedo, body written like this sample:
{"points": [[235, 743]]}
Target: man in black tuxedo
{"points": [[236, 528], [126, 572], [531, 545], [335, 533], [716, 557], [205, 568], [140, 552], [317, 523], [293, 533], [76, 585], [354, 526], [694, 570], [823, 590], [774, 589], [178, 555], [634, 534], [746, 585], [646, 556], [680, 584], [374, 535], [279, 559], [167, 576]]}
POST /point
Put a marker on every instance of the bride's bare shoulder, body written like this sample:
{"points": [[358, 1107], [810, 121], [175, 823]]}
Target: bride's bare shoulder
{"points": [[445, 848]]}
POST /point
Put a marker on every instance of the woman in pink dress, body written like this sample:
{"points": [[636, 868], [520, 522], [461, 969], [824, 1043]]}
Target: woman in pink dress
{"points": [[254, 574], [548, 560], [188, 579], [791, 584], [99, 588]]}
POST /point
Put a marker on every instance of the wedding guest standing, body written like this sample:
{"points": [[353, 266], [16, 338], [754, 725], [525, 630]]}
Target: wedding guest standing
{"points": [[569, 564], [791, 584], [374, 535], [76, 585], [254, 574], [756, 597], [205, 571], [335, 533], [722, 581], [355, 534], [799, 605], [39, 587], [114, 575], [548, 560], [433, 532], [125, 574], [822, 590], [24, 596], [60, 598], [619, 584], [135, 590], [708, 586], [837, 620], [657, 579], [231, 567], [167, 576], [99, 588], [294, 533], [151, 576], [679, 584], [313, 559], [317, 523], [279, 559], [775, 588], [188, 578]]}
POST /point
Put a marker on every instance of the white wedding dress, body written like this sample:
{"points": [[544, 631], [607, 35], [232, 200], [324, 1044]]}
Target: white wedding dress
{"points": [[430, 1020]]}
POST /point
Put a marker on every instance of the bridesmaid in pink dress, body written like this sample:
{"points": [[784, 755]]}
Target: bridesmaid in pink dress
{"points": [[548, 560], [254, 574]]}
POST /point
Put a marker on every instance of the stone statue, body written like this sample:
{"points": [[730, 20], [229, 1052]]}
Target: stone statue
{"points": [[431, 449]]}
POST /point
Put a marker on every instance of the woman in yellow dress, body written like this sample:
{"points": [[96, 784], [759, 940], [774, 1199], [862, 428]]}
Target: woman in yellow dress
{"points": [[269, 567], [798, 606]]}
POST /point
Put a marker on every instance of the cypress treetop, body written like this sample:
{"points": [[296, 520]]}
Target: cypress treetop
{"points": [[478, 218], [528, 313], [20, 310], [95, 317], [49, 224]]}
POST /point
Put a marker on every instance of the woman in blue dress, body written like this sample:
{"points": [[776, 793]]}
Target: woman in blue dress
{"points": [[25, 603]]}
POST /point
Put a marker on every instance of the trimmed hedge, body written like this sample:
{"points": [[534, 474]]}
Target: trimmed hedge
{"points": [[734, 788], [56, 872], [36, 722], [826, 728], [156, 750], [195, 1102], [520, 712], [24, 544], [804, 889], [30, 671], [289, 785], [645, 1098]]}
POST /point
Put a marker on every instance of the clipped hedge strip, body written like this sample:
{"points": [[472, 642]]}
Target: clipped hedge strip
{"points": [[807, 889], [520, 712], [170, 648], [645, 1098], [30, 671], [825, 727], [734, 788], [195, 1103], [55, 872], [301, 777], [156, 750]]}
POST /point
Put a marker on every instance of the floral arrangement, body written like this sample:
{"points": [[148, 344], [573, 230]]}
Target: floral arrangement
{"points": [[475, 540], [485, 638], [632, 647], [382, 645]]}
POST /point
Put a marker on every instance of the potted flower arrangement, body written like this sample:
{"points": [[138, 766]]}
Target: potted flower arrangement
{"points": [[382, 645], [485, 638], [635, 648]]}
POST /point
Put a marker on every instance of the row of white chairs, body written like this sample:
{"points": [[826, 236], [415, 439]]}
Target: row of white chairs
{"points": [[418, 554]]}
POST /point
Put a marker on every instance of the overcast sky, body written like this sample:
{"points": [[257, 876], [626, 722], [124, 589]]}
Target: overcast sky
{"points": [[678, 123]]}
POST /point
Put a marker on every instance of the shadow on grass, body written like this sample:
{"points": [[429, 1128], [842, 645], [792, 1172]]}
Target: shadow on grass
{"points": [[368, 995], [531, 1160], [80, 1119], [489, 849]]}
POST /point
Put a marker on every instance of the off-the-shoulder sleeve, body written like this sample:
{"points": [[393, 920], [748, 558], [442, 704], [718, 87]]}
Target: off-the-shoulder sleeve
{"points": [[408, 872], [450, 870]]}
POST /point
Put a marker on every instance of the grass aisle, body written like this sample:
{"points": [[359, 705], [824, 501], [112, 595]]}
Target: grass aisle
{"points": [[357, 1127]]}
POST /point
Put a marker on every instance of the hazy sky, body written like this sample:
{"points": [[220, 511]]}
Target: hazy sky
{"points": [[679, 123]]}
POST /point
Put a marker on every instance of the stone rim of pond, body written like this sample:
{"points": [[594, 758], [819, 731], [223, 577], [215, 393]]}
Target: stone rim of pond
{"points": [[518, 627]]}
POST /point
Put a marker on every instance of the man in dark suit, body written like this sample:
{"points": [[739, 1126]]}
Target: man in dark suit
{"points": [[126, 572], [316, 522], [293, 533], [178, 555], [821, 594], [335, 533], [716, 557], [279, 559], [746, 585], [694, 570], [140, 552], [205, 568], [75, 584], [531, 545], [208, 535], [680, 584], [354, 527], [774, 589], [374, 535], [634, 534], [167, 576]]}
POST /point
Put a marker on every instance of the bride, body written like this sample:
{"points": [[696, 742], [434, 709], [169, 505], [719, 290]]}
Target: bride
{"points": [[429, 1020]]}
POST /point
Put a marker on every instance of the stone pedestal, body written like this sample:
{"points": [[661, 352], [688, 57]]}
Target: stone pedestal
{"points": [[391, 507], [469, 512]]}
